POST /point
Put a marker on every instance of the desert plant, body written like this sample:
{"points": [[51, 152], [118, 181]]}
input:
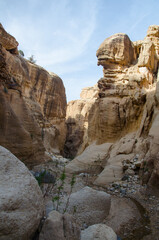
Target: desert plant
{"points": [[31, 59], [40, 177], [56, 198], [72, 183], [21, 53]]}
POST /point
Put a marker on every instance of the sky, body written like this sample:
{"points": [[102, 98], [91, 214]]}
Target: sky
{"points": [[64, 35]]}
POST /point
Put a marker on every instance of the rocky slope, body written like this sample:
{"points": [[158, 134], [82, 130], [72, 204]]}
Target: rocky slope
{"points": [[121, 112], [32, 105]]}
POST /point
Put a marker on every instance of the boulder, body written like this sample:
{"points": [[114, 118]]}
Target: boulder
{"points": [[60, 227], [111, 173], [21, 200], [124, 217], [89, 206], [91, 160], [98, 231]]}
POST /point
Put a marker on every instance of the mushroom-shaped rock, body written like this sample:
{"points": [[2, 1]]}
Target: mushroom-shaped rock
{"points": [[153, 30], [21, 201], [116, 49]]}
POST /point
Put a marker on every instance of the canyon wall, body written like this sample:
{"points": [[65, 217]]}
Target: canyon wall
{"points": [[32, 105], [121, 110]]}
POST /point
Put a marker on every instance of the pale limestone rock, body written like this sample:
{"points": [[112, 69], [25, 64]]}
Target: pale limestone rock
{"points": [[21, 200], [98, 231], [120, 151], [89, 92], [60, 227], [110, 174], [91, 160], [147, 55], [91, 206]]}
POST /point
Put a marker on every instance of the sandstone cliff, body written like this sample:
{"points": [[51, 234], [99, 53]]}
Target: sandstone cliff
{"points": [[32, 105], [121, 110]]}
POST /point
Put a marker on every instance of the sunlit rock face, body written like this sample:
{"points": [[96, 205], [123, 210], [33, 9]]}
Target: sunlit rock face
{"points": [[32, 106], [123, 103], [8, 41]]}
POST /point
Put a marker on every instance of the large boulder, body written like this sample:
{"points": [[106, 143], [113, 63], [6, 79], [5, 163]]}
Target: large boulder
{"points": [[98, 231], [124, 216], [21, 200], [91, 160], [89, 206], [60, 227]]}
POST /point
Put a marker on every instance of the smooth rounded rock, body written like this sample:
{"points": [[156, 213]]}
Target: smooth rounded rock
{"points": [[98, 232], [21, 200]]}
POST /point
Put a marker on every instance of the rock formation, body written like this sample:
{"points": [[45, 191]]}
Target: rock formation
{"points": [[32, 105], [21, 200], [89, 206], [121, 110]]}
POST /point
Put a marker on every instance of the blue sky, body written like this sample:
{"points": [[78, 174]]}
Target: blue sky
{"points": [[64, 35]]}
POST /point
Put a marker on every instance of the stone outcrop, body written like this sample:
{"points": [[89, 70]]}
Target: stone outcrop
{"points": [[8, 41], [121, 110], [21, 200], [32, 106]]}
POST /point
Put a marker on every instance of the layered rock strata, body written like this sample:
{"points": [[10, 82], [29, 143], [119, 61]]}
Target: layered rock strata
{"points": [[121, 110], [32, 106]]}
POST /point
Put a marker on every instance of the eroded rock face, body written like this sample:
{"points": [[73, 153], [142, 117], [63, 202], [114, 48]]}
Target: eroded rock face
{"points": [[8, 41], [125, 103], [21, 200], [116, 49], [33, 106]]}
